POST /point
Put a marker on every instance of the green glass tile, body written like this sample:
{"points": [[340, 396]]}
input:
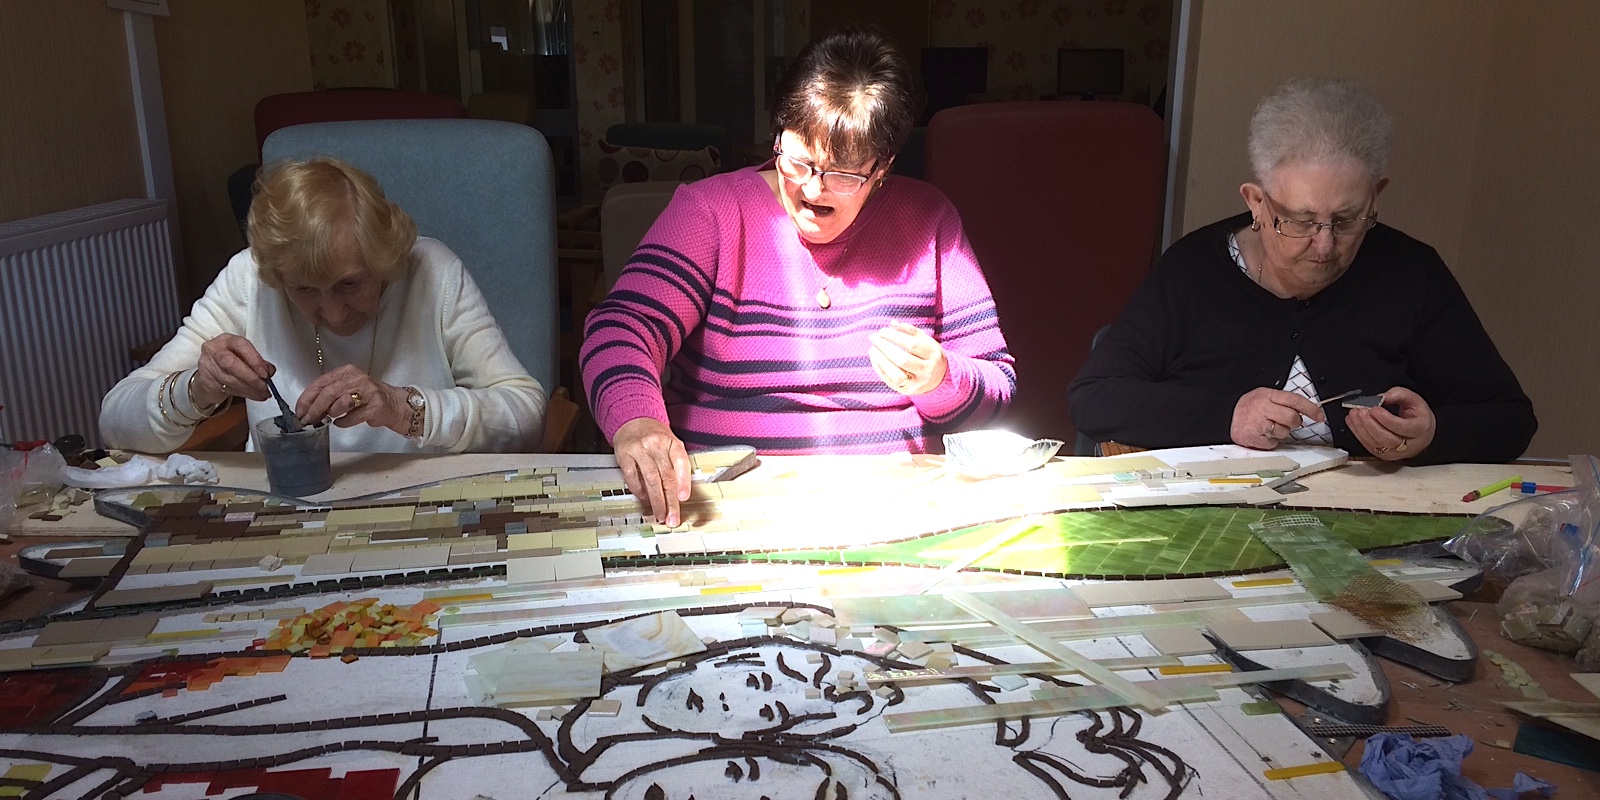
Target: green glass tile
{"points": [[1141, 542]]}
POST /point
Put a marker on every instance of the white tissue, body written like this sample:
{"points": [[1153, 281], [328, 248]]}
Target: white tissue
{"points": [[142, 471], [189, 468]]}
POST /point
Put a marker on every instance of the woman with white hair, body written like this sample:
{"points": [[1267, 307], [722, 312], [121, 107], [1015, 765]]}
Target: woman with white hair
{"points": [[1246, 325]]}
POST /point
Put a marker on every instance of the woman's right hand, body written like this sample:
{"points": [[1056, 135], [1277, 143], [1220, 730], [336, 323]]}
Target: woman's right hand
{"points": [[230, 365], [1263, 417], [655, 466]]}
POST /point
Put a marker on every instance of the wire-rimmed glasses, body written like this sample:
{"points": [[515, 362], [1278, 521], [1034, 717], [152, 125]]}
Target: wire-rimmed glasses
{"points": [[1305, 229], [799, 172]]}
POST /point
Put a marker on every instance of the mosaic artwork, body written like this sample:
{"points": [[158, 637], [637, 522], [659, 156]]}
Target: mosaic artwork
{"points": [[537, 633], [759, 716], [1146, 543]]}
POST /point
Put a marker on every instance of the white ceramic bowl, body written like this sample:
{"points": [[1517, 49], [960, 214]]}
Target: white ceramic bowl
{"points": [[988, 454]]}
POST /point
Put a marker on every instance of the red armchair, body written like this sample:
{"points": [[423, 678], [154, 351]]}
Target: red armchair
{"points": [[343, 105], [1062, 203], [331, 105]]}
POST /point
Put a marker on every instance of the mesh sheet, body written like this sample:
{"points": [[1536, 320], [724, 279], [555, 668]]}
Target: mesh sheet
{"points": [[1337, 574]]}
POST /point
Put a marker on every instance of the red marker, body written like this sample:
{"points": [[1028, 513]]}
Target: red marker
{"points": [[1491, 488], [1529, 487]]}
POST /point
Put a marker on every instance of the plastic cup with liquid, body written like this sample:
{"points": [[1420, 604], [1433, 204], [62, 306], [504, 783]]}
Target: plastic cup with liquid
{"points": [[298, 464]]}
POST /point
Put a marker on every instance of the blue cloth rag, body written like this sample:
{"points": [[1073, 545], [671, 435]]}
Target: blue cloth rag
{"points": [[1430, 769]]}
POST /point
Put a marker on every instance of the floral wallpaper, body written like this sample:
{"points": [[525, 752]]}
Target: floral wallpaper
{"points": [[597, 66], [350, 43], [1023, 36], [407, 38]]}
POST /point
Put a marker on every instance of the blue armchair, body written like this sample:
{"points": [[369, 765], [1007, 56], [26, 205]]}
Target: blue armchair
{"points": [[484, 188]]}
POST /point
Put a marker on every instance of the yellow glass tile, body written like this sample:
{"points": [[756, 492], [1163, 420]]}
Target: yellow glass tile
{"points": [[1195, 669], [24, 772], [530, 541], [1261, 582], [1319, 768], [178, 636], [440, 494], [746, 587]]}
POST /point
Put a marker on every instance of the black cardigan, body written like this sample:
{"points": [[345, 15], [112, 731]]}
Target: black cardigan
{"points": [[1199, 334]]}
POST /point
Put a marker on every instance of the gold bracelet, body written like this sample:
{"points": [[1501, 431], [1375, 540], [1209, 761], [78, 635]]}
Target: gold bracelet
{"points": [[172, 400], [215, 407], [161, 399]]}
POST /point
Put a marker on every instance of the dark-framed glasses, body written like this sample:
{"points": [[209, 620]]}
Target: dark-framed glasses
{"points": [[840, 183], [1305, 229]]}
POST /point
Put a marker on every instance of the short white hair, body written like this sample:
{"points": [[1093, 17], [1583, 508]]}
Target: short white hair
{"points": [[1314, 119]]}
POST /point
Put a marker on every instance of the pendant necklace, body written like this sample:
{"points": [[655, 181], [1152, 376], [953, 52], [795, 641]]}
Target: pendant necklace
{"points": [[823, 299]]}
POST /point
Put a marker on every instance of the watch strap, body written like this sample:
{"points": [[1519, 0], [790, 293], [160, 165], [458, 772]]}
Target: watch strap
{"points": [[419, 411]]}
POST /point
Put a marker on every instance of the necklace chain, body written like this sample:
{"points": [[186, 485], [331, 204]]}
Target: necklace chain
{"points": [[824, 300], [372, 354]]}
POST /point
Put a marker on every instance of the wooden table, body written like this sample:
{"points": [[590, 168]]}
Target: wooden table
{"points": [[1369, 485]]}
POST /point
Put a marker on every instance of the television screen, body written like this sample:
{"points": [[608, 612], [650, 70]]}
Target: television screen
{"points": [[1088, 71], [955, 70]]}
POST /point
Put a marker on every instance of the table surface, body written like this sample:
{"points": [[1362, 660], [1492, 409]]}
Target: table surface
{"points": [[1369, 485]]}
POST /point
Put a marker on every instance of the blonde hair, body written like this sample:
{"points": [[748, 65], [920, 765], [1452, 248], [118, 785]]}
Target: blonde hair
{"points": [[1314, 119], [303, 208]]}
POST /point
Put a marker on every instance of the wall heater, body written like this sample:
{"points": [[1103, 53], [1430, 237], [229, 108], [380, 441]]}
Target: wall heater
{"points": [[78, 290]]}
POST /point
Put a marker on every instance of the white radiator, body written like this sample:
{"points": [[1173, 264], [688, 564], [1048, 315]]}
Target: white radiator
{"points": [[78, 290]]}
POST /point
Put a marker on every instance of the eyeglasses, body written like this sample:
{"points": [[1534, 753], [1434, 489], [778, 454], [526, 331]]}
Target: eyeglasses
{"points": [[1305, 229], [840, 183]]}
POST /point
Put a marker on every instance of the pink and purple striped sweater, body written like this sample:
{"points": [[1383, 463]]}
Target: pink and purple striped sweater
{"points": [[714, 326]]}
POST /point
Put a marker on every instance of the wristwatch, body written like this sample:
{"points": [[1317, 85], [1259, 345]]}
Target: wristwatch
{"points": [[419, 411]]}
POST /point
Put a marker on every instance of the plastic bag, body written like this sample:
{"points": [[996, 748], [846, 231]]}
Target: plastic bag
{"points": [[1541, 554], [1550, 542], [26, 478]]}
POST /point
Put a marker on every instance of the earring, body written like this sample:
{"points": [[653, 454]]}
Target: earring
{"points": [[1255, 224]]}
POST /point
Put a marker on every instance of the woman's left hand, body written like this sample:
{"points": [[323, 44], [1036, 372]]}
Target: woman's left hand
{"points": [[1394, 435], [353, 397], [907, 359]]}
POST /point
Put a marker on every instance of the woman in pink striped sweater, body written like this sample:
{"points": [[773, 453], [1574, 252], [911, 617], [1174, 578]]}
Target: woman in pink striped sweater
{"points": [[814, 304]]}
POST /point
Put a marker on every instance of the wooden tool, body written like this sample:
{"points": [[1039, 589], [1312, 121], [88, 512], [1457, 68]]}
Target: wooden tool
{"points": [[1351, 393]]}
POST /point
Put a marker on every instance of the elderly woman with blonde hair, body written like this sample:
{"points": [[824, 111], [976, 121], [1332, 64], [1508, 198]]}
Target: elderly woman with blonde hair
{"points": [[1248, 327], [354, 318]]}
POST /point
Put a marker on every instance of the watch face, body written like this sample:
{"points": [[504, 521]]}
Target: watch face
{"points": [[416, 400]]}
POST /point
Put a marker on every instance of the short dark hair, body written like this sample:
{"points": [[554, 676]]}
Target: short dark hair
{"points": [[848, 94]]}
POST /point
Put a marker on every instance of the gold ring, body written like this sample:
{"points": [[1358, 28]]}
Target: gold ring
{"points": [[1380, 451], [355, 400], [1401, 448], [1267, 434]]}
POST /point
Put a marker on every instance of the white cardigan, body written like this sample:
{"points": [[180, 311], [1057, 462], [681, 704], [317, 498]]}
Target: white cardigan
{"points": [[433, 331]]}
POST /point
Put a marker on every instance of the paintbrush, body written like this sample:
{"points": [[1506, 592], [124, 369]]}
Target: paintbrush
{"points": [[288, 422]]}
